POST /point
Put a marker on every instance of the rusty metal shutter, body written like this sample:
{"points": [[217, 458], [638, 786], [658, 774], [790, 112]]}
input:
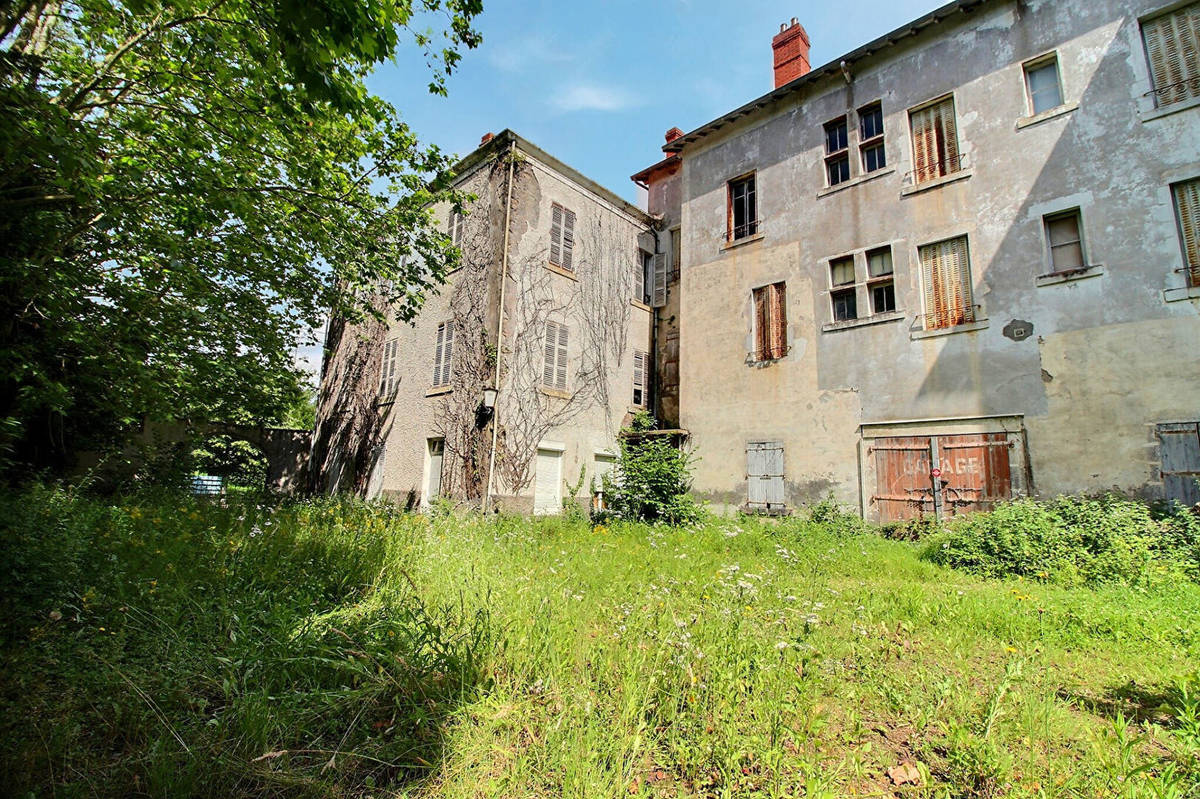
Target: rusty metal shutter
{"points": [[935, 141], [1180, 451], [1187, 206], [764, 473], [946, 283], [659, 298], [1173, 49]]}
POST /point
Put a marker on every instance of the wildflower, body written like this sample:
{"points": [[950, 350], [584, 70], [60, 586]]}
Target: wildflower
{"points": [[782, 645], [135, 513], [1010, 649]]}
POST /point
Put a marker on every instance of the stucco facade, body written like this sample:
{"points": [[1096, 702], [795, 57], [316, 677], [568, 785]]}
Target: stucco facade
{"points": [[553, 415], [1070, 374]]}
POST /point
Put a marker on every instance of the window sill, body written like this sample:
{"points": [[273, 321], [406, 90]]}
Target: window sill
{"points": [[856, 181], [438, 390], [729, 245], [875, 319], [1182, 293], [1054, 278], [555, 392], [953, 177], [968, 327], [1026, 122], [640, 304], [559, 270], [1167, 110]]}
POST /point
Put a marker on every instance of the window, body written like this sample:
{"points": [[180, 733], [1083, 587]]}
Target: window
{"points": [[658, 280], [676, 253], [946, 280], [881, 281], [1063, 232], [837, 156], [770, 322], [455, 227], [743, 208], [554, 372], [641, 276], [843, 293], [935, 141], [870, 137], [1187, 210], [1042, 83], [387, 370], [639, 379], [437, 455], [562, 237], [443, 355], [1173, 50]]}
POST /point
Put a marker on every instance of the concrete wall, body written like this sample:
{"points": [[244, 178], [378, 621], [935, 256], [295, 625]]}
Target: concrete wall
{"points": [[1108, 355]]}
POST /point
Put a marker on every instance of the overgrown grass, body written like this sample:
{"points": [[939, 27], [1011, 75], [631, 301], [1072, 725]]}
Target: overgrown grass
{"points": [[365, 652]]}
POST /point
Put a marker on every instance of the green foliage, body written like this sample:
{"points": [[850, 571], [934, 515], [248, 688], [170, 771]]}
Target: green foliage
{"points": [[241, 462], [652, 479], [188, 189], [1073, 540], [829, 514]]}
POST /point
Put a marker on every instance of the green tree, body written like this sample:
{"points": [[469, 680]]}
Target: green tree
{"points": [[653, 477], [186, 187]]}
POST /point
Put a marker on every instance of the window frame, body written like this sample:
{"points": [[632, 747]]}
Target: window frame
{"points": [[870, 143], [838, 292], [970, 310], [443, 358], [839, 157], [1033, 65], [752, 225], [561, 359], [881, 281], [387, 367], [1190, 268], [1066, 213], [1192, 94], [957, 158], [562, 238], [769, 332]]}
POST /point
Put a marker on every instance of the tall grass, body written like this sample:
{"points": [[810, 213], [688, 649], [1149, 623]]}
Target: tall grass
{"points": [[339, 649]]}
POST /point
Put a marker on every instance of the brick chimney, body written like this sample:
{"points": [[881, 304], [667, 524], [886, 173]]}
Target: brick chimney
{"points": [[791, 47], [487, 137], [673, 134]]}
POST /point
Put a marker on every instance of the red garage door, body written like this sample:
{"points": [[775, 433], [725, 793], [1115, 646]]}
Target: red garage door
{"points": [[972, 473]]}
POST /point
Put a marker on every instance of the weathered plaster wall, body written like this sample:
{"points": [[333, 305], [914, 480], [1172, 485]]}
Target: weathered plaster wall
{"points": [[1110, 156]]}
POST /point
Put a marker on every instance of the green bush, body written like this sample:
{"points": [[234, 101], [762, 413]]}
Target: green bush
{"points": [[652, 479], [1072, 540]]}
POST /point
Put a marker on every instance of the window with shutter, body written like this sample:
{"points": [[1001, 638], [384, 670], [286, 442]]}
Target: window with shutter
{"points": [[1173, 50], [639, 379], [935, 141], [443, 354], [554, 369], [455, 227], [946, 284], [387, 370], [562, 236], [676, 253], [764, 474], [1187, 209], [770, 322], [659, 296], [640, 275], [1065, 237]]}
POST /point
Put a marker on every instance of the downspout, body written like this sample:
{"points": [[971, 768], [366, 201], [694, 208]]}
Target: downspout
{"points": [[487, 495], [652, 377]]}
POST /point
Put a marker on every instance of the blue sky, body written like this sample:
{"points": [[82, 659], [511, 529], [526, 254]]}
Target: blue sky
{"points": [[596, 84]]}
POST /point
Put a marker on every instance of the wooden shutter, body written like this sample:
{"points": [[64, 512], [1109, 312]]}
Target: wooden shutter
{"points": [[568, 239], [1187, 205], [639, 276], [556, 233], [946, 278], [778, 321], [764, 473], [551, 354], [448, 354], [437, 355], [659, 297], [1173, 49], [947, 133], [760, 324], [456, 226], [935, 141], [639, 378], [560, 373]]}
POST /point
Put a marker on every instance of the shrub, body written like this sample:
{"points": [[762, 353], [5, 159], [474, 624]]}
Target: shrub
{"points": [[653, 478], [833, 517], [1071, 540]]}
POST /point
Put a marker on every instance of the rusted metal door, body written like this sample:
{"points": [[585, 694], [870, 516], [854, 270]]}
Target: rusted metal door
{"points": [[972, 472], [1180, 450]]}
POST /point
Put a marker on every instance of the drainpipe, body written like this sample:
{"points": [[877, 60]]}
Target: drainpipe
{"points": [[652, 367], [487, 495]]}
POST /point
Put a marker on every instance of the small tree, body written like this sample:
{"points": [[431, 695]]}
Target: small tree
{"points": [[653, 478]]}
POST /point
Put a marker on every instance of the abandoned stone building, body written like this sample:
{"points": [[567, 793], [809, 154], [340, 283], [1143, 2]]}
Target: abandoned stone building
{"points": [[958, 264]]}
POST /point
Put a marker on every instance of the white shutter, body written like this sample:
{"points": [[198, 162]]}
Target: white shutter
{"points": [[764, 473], [437, 449], [639, 277], [437, 354], [755, 469], [556, 228], [659, 299], [1173, 49], [560, 374], [568, 240], [448, 354], [551, 355], [639, 379], [547, 482]]}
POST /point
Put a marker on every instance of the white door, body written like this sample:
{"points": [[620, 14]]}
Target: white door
{"points": [[547, 482], [437, 447]]}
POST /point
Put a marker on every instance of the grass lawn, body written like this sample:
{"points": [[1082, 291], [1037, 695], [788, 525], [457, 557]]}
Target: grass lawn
{"points": [[170, 647]]}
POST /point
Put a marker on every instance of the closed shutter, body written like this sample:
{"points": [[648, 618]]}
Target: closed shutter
{"points": [[551, 354], [761, 312], [1180, 451], [935, 141], [556, 227], [568, 239], [448, 354], [387, 371], [437, 354], [547, 482], [778, 323], [1173, 49], [560, 373], [1187, 205], [639, 276], [659, 298], [456, 227], [639, 379], [764, 473], [946, 278]]}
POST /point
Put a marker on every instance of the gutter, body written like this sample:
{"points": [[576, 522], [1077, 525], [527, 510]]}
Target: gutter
{"points": [[487, 495]]}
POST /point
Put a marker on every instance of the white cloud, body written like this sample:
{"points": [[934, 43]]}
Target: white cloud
{"points": [[591, 97], [516, 55]]}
